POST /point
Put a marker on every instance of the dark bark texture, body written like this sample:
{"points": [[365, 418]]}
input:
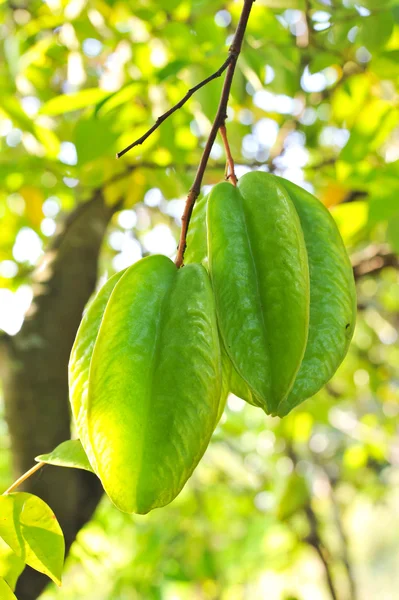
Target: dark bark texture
{"points": [[35, 377]]}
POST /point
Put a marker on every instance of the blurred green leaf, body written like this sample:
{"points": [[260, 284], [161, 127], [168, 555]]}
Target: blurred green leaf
{"points": [[393, 231], [384, 207], [69, 102], [171, 69], [351, 218], [376, 30], [298, 4], [294, 497], [322, 61], [94, 138], [385, 64], [11, 566], [12, 108], [31, 530], [373, 124], [5, 591]]}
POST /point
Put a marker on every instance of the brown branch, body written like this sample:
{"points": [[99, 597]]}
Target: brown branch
{"points": [[230, 171], [316, 542], [354, 195], [372, 260], [220, 120], [176, 107], [345, 558], [314, 538], [327, 162], [344, 544]]}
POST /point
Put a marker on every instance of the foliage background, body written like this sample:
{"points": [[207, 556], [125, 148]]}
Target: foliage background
{"points": [[275, 505]]}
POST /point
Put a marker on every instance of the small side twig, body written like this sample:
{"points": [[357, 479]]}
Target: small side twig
{"points": [[176, 107], [315, 541], [336, 513], [344, 544], [230, 171], [24, 477], [314, 538], [219, 121]]}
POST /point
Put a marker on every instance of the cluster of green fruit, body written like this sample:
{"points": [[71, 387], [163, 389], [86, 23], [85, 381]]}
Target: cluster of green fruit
{"points": [[264, 307]]}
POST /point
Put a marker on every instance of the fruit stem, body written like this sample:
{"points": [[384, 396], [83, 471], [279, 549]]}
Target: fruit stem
{"points": [[230, 172]]}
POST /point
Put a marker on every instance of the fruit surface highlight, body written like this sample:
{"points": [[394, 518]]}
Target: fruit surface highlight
{"points": [[154, 386]]}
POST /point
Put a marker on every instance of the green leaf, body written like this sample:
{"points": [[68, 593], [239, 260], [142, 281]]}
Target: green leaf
{"points": [[322, 61], [123, 96], [351, 218], [49, 139], [293, 498], [373, 125], [30, 528], [18, 116], [393, 232], [68, 454], [171, 69], [169, 4], [376, 30], [6, 592], [376, 4], [69, 102], [385, 64], [384, 207], [298, 4], [11, 566], [94, 138]]}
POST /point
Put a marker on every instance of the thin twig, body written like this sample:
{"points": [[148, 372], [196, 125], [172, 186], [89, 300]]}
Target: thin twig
{"points": [[315, 541], [314, 538], [327, 162], [176, 107], [230, 172], [344, 544], [220, 120], [345, 557], [24, 477]]}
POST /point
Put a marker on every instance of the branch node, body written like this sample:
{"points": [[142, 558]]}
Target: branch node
{"points": [[218, 122], [178, 105]]}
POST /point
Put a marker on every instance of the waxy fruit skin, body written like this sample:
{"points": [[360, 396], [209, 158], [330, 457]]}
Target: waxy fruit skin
{"points": [[154, 386], [259, 271], [159, 348], [332, 297], [80, 359], [332, 292]]}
